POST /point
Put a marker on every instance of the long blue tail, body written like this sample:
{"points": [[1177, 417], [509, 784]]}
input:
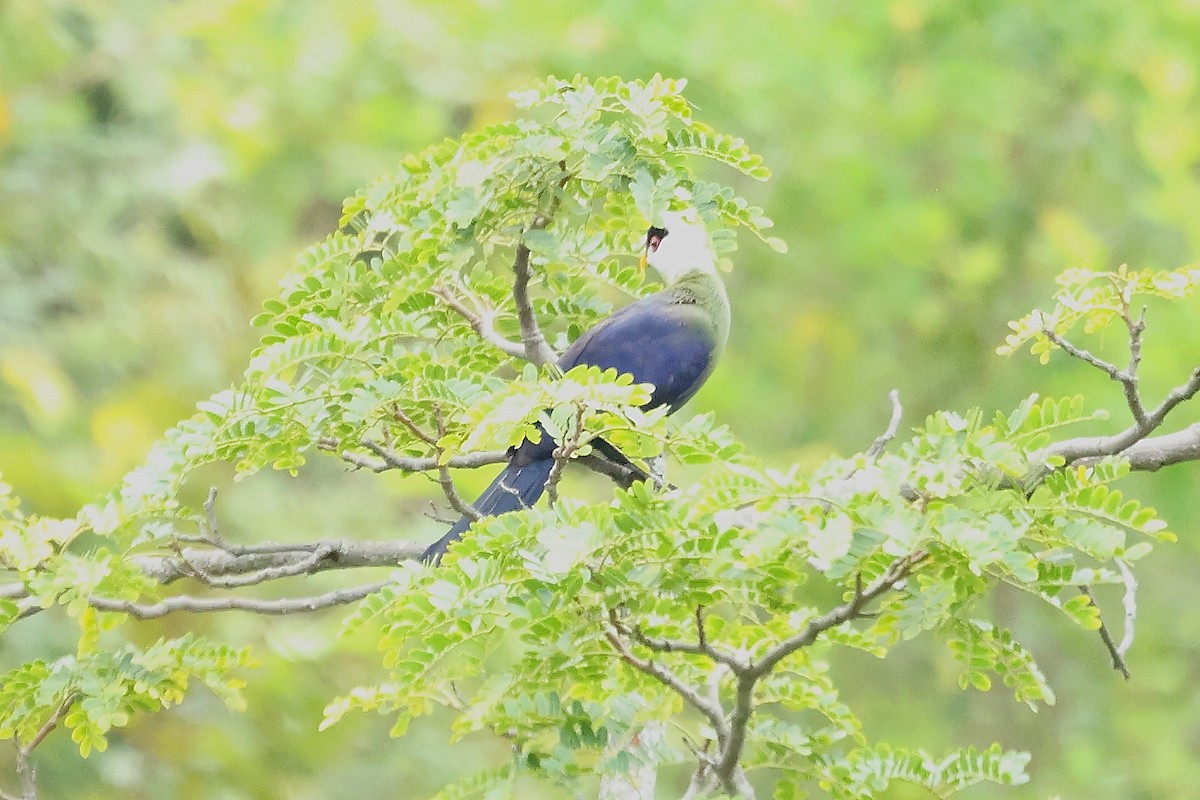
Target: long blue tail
{"points": [[515, 488]]}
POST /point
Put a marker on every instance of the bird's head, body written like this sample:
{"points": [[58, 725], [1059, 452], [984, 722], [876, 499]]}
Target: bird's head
{"points": [[677, 246]]}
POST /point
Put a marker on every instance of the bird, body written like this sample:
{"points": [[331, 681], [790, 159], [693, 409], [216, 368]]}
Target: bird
{"points": [[670, 339]]}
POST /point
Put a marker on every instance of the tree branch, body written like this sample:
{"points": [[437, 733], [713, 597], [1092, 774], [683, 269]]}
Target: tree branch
{"points": [[731, 727], [1154, 453], [444, 478], [880, 444], [1128, 377], [1136, 328], [668, 678], [1109, 369], [25, 768], [390, 459], [279, 607], [622, 474], [264, 565], [537, 351], [221, 564], [563, 454], [334, 555], [408, 422], [727, 766], [302, 566], [701, 647], [210, 515], [1164, 450], [1118, 659], [899, 569], [482, 323]]}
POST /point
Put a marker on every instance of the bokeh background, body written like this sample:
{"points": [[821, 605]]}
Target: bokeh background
{"points": [[936, 164]]}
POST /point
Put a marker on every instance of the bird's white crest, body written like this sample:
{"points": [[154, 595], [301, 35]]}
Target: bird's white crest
{"points": [[686, 247]]}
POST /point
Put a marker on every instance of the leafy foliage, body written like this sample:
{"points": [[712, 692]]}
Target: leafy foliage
{"points": [[718, 605], [870, 771], [522, 630], [1095, 299], [96, 691], [935, 164], [383, 313]]}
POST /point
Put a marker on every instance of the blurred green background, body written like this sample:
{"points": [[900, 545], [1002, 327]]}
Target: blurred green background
{"points": [[936, 163]]}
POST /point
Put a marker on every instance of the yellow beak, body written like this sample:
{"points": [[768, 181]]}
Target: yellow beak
{"points": [[645, 257]]}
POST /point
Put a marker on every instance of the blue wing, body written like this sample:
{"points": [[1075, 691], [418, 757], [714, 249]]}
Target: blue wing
{"points": [[670, 345]]}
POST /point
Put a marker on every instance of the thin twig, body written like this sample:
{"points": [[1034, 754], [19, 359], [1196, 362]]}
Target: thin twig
{"points": [[416, 430], [1174, 397], [26, 768], [701, 783], [728, 763], [624, 475], [265, 548], [1129, 602], [899, 569], [701, 633], [1108, 368], [447, 481], [210, 513], [699, 648], [212, 537], [482, 323], [390, 459], [51, 723], [1136, 328], [667, 677], [563, 453], [1118, 660], [877, 447]]}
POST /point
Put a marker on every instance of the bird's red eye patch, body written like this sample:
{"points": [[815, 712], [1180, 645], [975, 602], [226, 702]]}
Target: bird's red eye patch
{"points": [[654, 237]]}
